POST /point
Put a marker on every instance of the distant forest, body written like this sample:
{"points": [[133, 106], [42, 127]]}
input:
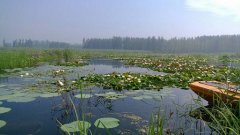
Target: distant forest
{"points": [[206, 44], [28, 43], [202, 44]]}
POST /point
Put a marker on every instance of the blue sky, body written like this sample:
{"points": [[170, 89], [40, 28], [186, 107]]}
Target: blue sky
{"points": [[72, 20]]}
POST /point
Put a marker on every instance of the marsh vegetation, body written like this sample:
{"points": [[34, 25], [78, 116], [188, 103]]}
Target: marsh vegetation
{"points": [[64, 91]]}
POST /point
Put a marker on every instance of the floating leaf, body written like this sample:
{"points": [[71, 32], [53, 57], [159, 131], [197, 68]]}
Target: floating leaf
{"points": [[146, 97], [142, 97], [2, 123], [5, 97], [132, 117], [83, 96], [34, 95], [111, 95], [4, 110], [48, 95], [100, 95], [6, 92], [138, 98], [132, 92], [2, 85], [21, 99], [107, 122], [76, 126]]}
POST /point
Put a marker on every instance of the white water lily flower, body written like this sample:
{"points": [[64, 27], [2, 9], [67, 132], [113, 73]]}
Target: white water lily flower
{"points": [[27, 74], [73, 81], [60, 83], [21, 75]]}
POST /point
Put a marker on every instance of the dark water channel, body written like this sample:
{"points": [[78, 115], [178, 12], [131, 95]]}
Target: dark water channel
{"points": [[42, 115]]}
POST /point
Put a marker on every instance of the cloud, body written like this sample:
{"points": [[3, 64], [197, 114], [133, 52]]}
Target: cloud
{"points": [[218, 7]]}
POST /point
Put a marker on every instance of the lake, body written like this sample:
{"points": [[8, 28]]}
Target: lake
{"points": [[34, 111]]}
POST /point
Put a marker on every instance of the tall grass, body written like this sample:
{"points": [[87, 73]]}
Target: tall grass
{"points": [[223, 118], [20, 58], [156, 125]]}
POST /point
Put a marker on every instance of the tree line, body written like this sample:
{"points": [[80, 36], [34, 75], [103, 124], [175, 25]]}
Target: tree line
{"points": [[206, 44], [28, 43]]}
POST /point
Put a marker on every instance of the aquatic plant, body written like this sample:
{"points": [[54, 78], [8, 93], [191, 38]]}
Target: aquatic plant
{"points": [[107, 122], [2, 123], [189, 68], [21, 99], [21, 58], [81, 96], [136, 81], [4, 110], [221, 118], [76, 126], [156, 125], [111, 95]]}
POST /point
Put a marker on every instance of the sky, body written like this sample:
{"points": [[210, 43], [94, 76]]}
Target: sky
{"points": [[72, 20]]}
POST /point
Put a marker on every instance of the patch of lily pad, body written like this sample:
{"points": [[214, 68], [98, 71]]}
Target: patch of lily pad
{"points": [[4, 110], [142, 97], [76, 126], [107, 122], [83, 96], [48, 95], [2, 123], [111, 95], [2, 85], [21, 99], [185, 69], [136, 81], [18, 96]]}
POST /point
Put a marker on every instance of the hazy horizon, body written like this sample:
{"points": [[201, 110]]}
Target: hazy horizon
{"points": [[71, 21]]}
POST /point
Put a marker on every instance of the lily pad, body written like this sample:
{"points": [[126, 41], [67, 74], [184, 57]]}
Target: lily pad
{"points": [[2, 85], [107, 122], [146, 97], [6, 92], [111, 95], [133, 117], [76, 126], [48, 95], [4, 110], [83, 96], [131, 92], [138, 98], [21, 99], [2, 123], [5, 97], [142, 97]]}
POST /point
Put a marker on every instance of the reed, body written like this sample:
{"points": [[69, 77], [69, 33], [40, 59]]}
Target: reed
{"points": [[156, 125], [223, 118]]}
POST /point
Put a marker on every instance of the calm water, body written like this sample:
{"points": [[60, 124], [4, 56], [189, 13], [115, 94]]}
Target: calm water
{"points": [[40, 116]]}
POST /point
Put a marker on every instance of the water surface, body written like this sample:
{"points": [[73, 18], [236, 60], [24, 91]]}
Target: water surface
{"points": [[40, 116]]}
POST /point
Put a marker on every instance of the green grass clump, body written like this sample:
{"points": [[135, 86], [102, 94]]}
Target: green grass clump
{"points": [[156, 125], [223, 118], [20, 58]]}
